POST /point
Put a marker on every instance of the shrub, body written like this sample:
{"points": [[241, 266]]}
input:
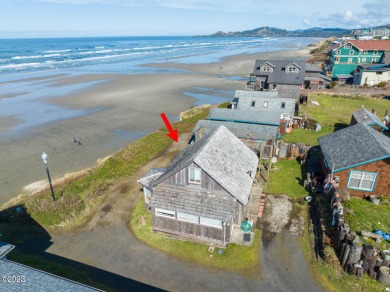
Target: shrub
{"points": [[382, 84], [333, 84]]}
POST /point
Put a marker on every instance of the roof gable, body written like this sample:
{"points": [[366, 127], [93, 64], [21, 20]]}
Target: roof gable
{"points": [[363, 116], [279, 75], [224, 157], [355, 145]]}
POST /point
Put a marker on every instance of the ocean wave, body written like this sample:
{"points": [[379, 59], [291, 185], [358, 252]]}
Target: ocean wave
{"points": [[57, 51], [34, 57], [16, 66]]}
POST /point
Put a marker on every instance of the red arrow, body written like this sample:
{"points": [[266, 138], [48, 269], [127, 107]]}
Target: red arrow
{"points": [[173, 134]]}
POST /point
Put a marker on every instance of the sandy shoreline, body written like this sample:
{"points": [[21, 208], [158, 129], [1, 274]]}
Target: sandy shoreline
{"points": [[122, 108]]}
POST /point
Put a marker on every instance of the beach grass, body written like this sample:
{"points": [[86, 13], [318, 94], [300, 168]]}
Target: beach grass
{"points": [[76, 198], [237, 258]]}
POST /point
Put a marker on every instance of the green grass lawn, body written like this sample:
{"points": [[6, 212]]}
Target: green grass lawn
{"points": [[286, 178], [241, 259], [333, 113]]}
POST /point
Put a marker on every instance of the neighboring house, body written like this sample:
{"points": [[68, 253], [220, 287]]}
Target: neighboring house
{"points": [[363, 116], [251, 134], [285, 77], [204, 191], [346, 57], [263, 101], [315, 77], [258, 117], [360, 156], [18, 277], [371, 75]]}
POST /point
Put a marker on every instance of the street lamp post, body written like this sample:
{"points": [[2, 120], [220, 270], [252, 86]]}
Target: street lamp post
{"points": [[44, 158]]}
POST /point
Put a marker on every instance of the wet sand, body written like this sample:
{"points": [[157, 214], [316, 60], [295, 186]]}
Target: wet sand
{"points": [[121, 108]]}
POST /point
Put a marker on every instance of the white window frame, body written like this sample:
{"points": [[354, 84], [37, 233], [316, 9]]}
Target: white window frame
{"points": [[337, 60], [338, 52], [373, 60], [147, 195], [375, 53], [182, 217], [359, 177], [266, 68], [365, 52], [203, 221], [165, 213], [273, 86], [364, 59], [350, 60], [351, 52], [348, 46], [196, 170], [265, 104]]}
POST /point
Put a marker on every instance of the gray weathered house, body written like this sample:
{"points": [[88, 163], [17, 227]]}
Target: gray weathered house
{"points": [[284, 77], [204, 191], [263, 101], [315, 77]]}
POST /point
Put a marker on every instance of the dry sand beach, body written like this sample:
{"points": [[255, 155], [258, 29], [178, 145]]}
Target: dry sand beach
{"points": [[117, 108]]}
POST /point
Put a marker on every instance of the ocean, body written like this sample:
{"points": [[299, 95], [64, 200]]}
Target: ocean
{"points": [[124, 54]]}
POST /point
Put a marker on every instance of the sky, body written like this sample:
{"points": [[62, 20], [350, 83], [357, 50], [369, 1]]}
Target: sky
{"points": [[66, 18]]}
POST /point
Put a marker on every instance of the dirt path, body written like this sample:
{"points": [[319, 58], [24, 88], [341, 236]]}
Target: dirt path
{"points": [[106, 243]]}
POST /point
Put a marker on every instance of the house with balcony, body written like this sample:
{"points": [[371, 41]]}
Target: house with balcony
{"points": [[284, 77], [346, 57], [203, 193]]}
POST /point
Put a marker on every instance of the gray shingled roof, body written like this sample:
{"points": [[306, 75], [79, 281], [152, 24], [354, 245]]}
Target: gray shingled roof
{"points": [[363, 116], [5, 248], [240, 130], [255, 94], [36, 280], [260, 117], [244, 102], [223, 157], [278, 75], [312, 68], [214, 205], [151, 175], [355, 145]]}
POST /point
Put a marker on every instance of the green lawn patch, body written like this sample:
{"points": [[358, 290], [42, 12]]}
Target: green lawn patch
{"points": [[367, 216], [286, 178], [242, 259]]}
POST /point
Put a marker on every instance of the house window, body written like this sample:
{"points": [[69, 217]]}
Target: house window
{"points": [[273, 86], [349, 60], [365, 52], [267, 68], [147, 194], [265, 103], [338, 52], [187, 217], [337, 59], [375, 53], [348, 46], [292, 69], [351, 52], [373, 60], [261, 84], [211, 222], [165, 213], [283, 105], [364, 59], [360, 180], [358, 60], [253, 103], [195, 175]]}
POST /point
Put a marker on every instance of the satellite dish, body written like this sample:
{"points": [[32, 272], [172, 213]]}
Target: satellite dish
{"points": [[274, 159]]}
